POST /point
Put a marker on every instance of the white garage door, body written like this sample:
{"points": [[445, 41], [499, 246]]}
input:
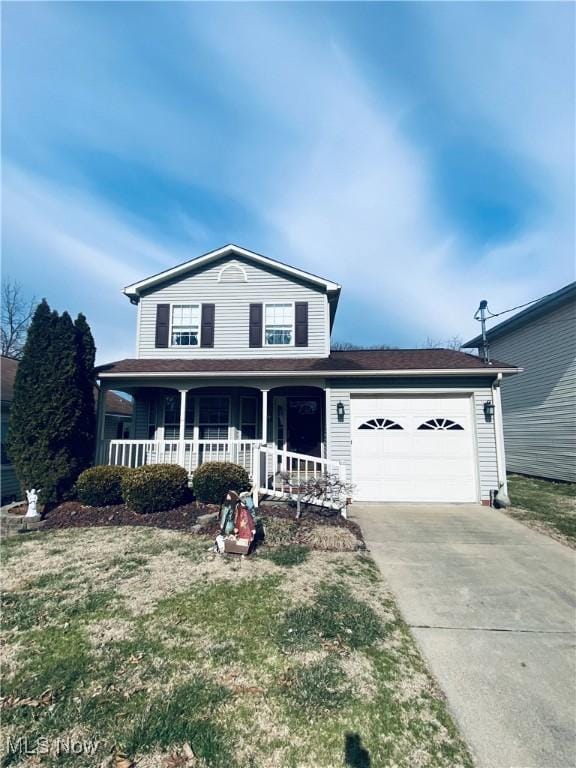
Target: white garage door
{"points": [[413, 449]]}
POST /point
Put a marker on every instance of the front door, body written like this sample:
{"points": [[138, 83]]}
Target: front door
{"points": [[280, 434], [297, 424]]}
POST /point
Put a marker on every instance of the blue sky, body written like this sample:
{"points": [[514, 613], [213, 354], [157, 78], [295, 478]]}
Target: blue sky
{"points": [[421, 154]]}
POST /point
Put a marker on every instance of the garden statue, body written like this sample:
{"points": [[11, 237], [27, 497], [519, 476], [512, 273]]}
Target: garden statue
{"points": [[227, 513], [32, 497], [237, 526]]}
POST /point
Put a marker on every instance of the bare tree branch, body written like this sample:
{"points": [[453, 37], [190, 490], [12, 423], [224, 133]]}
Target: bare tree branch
{"points": [[17, 312], [453, 342], [346, 346]]}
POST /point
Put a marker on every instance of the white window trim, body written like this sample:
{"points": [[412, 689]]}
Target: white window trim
{"points": [[198, 424], [185, 304], [291, 304]]}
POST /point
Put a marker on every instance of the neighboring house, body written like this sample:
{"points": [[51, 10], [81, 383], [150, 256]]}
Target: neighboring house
{"points": [[10, 488], [233, 362], [540, 404], [118, 424]]}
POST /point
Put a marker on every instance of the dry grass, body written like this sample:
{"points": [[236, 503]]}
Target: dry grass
{"points": [[148, 641], [329, 538]]}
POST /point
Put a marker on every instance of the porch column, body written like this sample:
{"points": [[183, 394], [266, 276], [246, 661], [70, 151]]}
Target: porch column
{"points": [[181, 446], [265, 416], [99, 457]]}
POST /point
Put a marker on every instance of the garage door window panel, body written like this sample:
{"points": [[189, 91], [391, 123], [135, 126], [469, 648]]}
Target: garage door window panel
{"points": [[380, 424], [440, 424]]}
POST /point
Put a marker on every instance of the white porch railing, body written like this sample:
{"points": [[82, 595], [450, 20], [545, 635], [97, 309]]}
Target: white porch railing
{"points": [[273, 472], [188, 453], [280, 474]]}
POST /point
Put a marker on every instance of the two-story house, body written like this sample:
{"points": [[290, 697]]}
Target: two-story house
{"points": [[233, 362]]}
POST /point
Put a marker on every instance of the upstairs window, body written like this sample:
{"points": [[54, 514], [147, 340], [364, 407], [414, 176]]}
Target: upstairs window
{"points": [[278, 324], [185, 325]]}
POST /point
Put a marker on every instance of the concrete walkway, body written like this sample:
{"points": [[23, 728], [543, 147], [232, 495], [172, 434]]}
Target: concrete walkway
{"points": [[492, 605]]}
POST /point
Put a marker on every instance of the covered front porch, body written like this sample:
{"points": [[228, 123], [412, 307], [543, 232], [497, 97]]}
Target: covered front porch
{"points": [[190, 424]]}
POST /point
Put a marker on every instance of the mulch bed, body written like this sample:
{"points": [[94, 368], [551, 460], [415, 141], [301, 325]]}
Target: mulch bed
{"points": [[72, 514]]}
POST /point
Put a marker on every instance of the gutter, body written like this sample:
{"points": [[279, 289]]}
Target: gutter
{"points": [[323, 373], [499, 435]]}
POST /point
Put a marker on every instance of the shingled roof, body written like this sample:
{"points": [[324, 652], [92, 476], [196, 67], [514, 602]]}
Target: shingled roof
{"points": [[8, 367], [340, 362]]}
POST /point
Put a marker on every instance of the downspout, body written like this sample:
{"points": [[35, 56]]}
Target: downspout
{"points": [[502, 495]]}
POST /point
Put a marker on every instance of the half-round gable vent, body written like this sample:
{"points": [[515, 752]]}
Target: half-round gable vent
{"points": [[233, 272]]}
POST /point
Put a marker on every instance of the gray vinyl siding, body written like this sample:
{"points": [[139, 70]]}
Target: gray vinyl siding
{"points": [[232, 297], [540, 404], [340, 446]]}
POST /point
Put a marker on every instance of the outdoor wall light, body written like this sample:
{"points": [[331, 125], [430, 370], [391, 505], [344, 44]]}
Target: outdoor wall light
{"points": [[340, 411], [488, 410]]}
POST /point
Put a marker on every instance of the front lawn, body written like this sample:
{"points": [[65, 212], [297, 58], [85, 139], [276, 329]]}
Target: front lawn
{"points": [[545, 505], [166, 654]]}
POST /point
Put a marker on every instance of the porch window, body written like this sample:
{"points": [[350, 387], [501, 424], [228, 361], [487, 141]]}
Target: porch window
{"points": [[185, 325], [189, 424], [248, 418], [278, 324], [213, 418], [171, 417], [152, 418]]}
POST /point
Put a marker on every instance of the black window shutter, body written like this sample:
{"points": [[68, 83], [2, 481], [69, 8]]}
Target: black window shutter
{"points": [[255, 330], [162, 324], [301, 324], [207, 325]]}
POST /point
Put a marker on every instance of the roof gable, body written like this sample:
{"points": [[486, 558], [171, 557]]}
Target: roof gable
{"points": [[134, 290]]}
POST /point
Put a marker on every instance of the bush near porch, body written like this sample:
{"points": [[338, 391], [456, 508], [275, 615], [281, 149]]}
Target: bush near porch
{"points": [[213, 479], [154, 488], [101, 486]]}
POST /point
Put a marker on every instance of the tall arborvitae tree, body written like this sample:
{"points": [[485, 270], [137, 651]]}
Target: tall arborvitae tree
{"points": [[48, 418], [86, 428]]}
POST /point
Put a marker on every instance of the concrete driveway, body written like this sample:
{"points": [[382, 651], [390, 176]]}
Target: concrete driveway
{"points": [[492, 605]]}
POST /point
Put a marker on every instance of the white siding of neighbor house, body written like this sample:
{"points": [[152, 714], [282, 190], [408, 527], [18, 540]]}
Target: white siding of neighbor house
{"points": [[340, 447], [232, 296], [540, 404]]}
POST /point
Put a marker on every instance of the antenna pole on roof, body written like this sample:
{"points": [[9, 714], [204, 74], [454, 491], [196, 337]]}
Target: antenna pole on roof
{"points": [[481, 316]]}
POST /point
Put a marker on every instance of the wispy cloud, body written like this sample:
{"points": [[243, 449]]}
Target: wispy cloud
{"points": [[89, 250], [272, 125], [358, 199]]}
